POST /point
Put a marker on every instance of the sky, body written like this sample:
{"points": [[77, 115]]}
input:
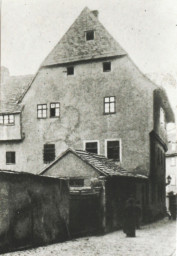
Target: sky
{"points": [[147, 31]]}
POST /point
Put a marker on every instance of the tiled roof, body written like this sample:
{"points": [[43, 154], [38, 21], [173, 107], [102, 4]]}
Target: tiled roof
{"points": [[100, 163], [74, 47], [11, 90]]}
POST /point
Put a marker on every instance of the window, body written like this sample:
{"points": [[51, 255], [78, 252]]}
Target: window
{"points": [[173, 146], [106, 66], [70, 71], [162, 118], [109, 105], [76, 182], [113, 149], [42, 110], [89, 35], [7, 119], [49, 153], [91, 147], [173, 161], [10, 157], [54, 109]]}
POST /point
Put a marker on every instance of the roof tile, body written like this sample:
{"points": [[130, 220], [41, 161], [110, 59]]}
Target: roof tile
{"points": [[102, 164]]}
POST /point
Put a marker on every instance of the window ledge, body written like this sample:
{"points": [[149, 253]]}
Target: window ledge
{"points": [[109, 113]]}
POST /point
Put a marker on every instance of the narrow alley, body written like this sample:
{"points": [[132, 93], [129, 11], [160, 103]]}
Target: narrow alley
{"points": [[157, 239]]}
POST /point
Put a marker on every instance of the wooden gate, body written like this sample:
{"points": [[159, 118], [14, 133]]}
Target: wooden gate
{"points": [[85, 214]]}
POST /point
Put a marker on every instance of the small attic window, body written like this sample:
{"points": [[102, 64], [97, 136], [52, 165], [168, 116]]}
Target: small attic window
{"points": [[70, 71], [89, 35], [106, 66]]}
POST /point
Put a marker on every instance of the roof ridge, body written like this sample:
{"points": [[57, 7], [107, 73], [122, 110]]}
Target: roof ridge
{"points": [[103, 167]]}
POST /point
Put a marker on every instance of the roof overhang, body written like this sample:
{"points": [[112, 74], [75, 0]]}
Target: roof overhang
{"points": [[77, 153]]}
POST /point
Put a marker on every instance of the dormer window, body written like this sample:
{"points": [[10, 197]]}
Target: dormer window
{"points": [[89, 35], [70, 71]]}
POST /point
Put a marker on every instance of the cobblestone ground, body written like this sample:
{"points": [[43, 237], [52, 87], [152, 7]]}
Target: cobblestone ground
{"points": [[158, 239]]}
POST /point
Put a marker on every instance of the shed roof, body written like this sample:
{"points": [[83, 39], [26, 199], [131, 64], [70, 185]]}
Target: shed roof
{"points": [[100, 163], [74, 47]]}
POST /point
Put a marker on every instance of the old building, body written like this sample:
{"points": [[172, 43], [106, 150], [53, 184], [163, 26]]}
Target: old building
{"points": [[171, 171], [114, 185], [171, 160], [89, 95]]}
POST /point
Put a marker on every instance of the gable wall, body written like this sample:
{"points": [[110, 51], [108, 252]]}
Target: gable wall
{"points": [[81, 98], [71, 166]]}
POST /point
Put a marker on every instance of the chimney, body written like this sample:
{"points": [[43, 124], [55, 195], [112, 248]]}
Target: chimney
{"points": [[95, 13]]}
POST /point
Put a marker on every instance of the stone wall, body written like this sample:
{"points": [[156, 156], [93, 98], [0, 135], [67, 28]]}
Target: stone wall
{"points": [[34, 210], [71, 166]]}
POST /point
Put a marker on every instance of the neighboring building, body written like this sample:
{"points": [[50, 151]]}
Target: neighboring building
{"points": [[171, 161], [114, 185], [89, 95], [83, 168], [11, 89]]}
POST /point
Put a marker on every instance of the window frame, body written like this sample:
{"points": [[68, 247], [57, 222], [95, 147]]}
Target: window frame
{"points": [[67, 70], [42, 109], [106, 62], [44, 153], [104, 104], [55, 108], [120, 148], [91, 141], [8, 115], [86, 33], [10, 163]]}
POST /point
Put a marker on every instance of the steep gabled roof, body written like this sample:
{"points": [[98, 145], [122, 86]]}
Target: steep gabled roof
{"points": [[74, 47], [12, 87], [100, 163]]}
